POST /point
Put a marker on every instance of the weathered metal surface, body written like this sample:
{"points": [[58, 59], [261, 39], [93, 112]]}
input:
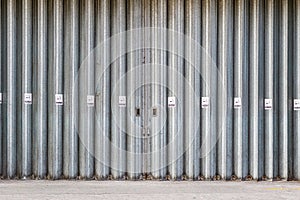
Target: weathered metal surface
{"points": [[211, 91]]}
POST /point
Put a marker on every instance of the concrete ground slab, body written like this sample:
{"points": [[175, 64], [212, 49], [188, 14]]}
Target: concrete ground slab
{"points": [[33, 189]]}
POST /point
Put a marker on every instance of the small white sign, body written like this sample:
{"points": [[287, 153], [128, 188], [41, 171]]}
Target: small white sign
{"points": [[0, 98], [237, 102], [171, 102], [205, 102], [59, 99], [122, 101], [90, 100], [28, 98], [296, 104], [268, 104]]}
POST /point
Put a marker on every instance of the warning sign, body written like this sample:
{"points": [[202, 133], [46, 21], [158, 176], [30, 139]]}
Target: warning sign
{"points": [[237, 102], [59, 99], [122, 101], [205, 102], [28, 98], [171, 102], [268, 104], [90, 100], [296, 104]]}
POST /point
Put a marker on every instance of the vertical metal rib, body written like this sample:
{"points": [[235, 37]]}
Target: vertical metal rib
{"points": [[175, 84], [4, 79], [134, 81], [86, 88], [254, 88], [50, 85], [225, 89], [26, 87], [40, 96], [1, 91], [261, 76], [19, 96], [283, 91], [269, 88], [11, 89], [240, 121], [297, 92], [146, 87], [205, 90], [213, 88], [291, 44], [55, 85], [158, 89], [4, 87], [209, 77], [71, 61], [276, 66], [192, 88], [102, 78], [34, 86], [118, 138]]}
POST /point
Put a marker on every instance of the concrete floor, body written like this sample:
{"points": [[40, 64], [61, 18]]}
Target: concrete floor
{"points": [[148, 190]]}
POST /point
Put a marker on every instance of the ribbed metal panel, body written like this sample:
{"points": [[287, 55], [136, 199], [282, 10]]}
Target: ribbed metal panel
{"points": [[71, 66], [138, 89], [158, 146], [118, 86]]}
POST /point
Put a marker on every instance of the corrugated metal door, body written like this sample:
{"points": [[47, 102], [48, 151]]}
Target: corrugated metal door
{"points": [[156, 89]]}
